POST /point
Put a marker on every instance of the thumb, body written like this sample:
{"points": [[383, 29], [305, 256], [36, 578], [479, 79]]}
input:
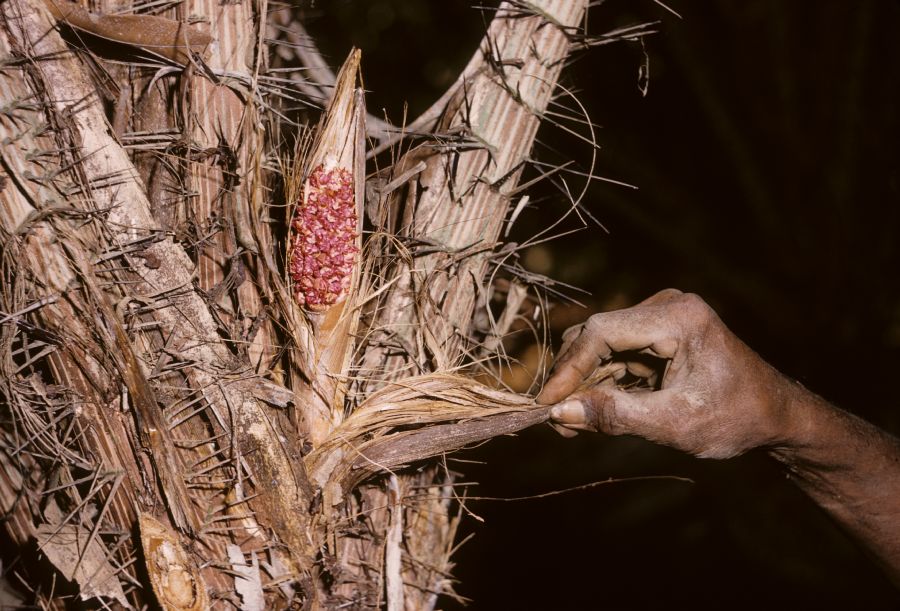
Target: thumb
{"points": [[593, 409], [610, 410]]}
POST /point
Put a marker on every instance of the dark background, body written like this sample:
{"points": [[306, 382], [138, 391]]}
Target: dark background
{"points": [[766, 158]]}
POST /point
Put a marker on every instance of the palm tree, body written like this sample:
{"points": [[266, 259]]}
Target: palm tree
{"points": [[184, 414]]}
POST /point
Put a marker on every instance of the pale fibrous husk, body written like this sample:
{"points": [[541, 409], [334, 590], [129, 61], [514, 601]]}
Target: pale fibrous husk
{"points": [[325, 335], [414, 419]]}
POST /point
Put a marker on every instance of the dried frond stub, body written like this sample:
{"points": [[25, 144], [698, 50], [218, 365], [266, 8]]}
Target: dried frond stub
{"points": [[325, 228], [175, 578]]}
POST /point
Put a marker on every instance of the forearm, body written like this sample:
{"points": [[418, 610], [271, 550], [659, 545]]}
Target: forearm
{"points": [[850, 468]]}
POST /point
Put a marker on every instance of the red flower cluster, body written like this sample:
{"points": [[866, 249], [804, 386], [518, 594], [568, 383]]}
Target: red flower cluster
{"points": [[323, 248]]}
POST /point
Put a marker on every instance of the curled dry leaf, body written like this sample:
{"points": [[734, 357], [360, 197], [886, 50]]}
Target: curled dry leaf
{"points": [[167, 38], [175, 578], [412, 420], [418, 418]]}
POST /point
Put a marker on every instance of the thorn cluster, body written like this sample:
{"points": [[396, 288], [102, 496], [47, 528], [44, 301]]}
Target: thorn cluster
{"points": [[323, 247]]}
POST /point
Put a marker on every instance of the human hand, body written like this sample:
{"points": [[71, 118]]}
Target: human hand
{"points": [[714, 397]]}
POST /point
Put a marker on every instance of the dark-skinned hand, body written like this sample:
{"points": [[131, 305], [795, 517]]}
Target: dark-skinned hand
{"points": [[681, 378], [716, 398]]}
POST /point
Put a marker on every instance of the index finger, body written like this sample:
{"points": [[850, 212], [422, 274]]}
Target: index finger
{"points": [[576, 364], [648, 328]]}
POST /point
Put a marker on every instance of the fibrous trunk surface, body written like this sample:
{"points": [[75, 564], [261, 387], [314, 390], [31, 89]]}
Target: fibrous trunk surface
{"points": [[181, 424]]}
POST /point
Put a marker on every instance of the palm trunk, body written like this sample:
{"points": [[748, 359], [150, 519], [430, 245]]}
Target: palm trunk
{"points": [[156, 370]]}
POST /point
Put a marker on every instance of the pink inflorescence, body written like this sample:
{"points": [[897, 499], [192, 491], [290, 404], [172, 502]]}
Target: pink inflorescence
{"points": [[323, 249]]}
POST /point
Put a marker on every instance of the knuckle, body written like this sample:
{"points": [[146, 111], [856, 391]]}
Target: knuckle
{"points": [[693, 301], [695, 308], [600, 412], [594, 323], [669, 293]]}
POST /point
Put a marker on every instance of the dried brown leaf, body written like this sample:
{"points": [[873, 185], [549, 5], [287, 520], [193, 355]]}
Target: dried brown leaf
{"points": [[167, 38]]}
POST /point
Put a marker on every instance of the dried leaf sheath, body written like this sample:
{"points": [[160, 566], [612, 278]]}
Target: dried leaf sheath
{"points": [[326, 189], [418, 418], [167, 38], [459, 202]]}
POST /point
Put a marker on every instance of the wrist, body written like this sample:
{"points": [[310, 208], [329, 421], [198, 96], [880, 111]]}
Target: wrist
{"points": [[776, 411], [810, 431]]}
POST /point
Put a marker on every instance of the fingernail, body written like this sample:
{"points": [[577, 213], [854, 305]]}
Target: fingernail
{"points": [[568, 412]]}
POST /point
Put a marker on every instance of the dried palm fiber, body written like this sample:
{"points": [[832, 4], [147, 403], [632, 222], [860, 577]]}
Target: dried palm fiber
{"points": [[424, 416], [154, 346], [158, 354]]}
